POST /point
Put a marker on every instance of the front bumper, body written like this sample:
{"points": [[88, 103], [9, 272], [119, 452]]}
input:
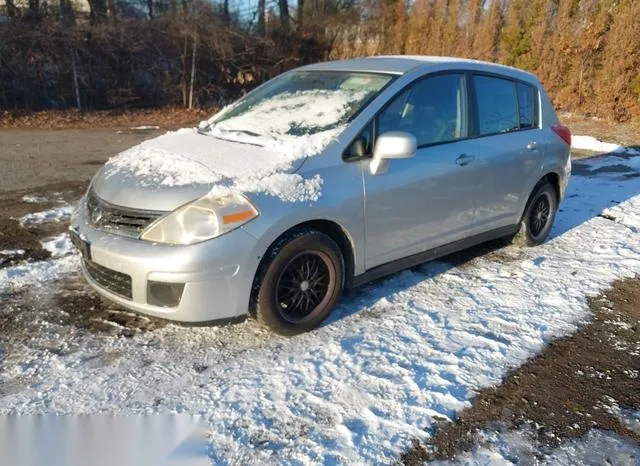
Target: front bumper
{"points": [[217, 274]]}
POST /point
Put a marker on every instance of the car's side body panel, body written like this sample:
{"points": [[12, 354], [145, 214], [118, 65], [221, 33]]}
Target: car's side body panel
{"points": [[420, 203]]}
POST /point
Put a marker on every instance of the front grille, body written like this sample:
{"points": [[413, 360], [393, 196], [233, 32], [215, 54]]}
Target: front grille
{"points": [[118, 220], [116, 282]]}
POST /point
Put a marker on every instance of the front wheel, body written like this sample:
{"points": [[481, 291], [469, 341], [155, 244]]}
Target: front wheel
{"points": [[300, 286], [538, 217]]}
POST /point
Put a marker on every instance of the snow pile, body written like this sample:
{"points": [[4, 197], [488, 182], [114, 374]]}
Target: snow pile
{"points": [[595, 145], [150, 165]]}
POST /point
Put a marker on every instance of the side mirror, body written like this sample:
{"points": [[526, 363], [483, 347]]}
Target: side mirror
{"points": [[392, 145]]}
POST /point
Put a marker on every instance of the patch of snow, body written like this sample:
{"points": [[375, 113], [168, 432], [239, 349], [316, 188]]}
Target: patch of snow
{"points": [[631, 419], [394, 357], [145, 127], [26, 275], [12, 252], [595, 448], [289, 187], [58, 246], [595, 145], [34, 199], [59, 214], [619, 214]]}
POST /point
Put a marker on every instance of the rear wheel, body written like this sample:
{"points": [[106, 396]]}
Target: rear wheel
{"points": [[538, 217], [301, 284]]}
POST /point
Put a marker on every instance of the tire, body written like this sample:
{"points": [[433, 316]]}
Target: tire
{"points": [[538, 216], [301, 282]]}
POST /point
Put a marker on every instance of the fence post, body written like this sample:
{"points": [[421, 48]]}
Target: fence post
{"points": [[74, 68], [193, 69]]}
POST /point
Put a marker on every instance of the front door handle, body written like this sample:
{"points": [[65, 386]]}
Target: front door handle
{"points": [[465, 159], [532, 145]]}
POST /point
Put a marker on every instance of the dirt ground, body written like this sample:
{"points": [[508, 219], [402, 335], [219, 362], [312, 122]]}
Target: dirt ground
{"points": [[34, 158], [564, 391]]}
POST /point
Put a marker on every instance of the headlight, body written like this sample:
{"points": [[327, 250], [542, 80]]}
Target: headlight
{"points": [[200, 220]]}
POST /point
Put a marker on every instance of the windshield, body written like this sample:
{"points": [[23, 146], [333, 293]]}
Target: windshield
{"points": [[300, 103]]}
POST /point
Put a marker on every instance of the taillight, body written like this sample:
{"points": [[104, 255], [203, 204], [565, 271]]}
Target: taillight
{"points": [[564, 132]]}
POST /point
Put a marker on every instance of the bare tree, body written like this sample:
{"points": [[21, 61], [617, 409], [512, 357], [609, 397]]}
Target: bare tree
{"points": [[12, 11], [283, 7], [34, 8], [225, 12], [261, 17], [300, 13], [66, 12], [98, 9], [193, 68]]}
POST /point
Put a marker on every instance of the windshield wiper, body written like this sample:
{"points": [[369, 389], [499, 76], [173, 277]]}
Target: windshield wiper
{"points": [[244, 131]]}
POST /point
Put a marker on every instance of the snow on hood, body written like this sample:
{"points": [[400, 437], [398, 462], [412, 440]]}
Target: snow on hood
{"points": [[186, 157], [256, 151]]}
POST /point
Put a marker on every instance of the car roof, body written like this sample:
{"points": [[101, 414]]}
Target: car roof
{"points": [[402, 64]]}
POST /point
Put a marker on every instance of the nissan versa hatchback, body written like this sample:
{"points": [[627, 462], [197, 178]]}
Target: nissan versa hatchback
{"points": [[325, 177]]}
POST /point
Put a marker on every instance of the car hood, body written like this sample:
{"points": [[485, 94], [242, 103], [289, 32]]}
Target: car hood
{"points": [[168, 171]]}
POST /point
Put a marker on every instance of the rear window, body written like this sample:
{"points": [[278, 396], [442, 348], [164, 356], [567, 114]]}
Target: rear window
{"points": [[527, 106], [497, 105]]}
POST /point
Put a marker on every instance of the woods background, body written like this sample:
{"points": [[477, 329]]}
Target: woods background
{"points": [[146, 53]]}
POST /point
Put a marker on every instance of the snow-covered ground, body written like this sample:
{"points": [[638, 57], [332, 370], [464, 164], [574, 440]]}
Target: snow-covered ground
{"points": [[395, 357], [596, 448], [595, 145], [58, 214]]}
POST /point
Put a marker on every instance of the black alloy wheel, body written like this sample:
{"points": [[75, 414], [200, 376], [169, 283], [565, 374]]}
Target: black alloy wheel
{"points": [[299, 282]]}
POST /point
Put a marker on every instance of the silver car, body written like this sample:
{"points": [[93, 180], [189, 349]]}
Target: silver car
{"points": [[324, 178]]}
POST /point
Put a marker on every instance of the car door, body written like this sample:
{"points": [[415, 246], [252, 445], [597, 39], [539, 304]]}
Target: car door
{"points": [[427, 200], [508, 150]]}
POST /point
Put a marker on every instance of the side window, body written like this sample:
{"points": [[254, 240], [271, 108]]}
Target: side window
{"points": [[497, 106], [434, 110], [527, 105]]}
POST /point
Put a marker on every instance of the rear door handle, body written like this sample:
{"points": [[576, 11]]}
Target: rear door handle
{"points": [[532, 145], [465, 159]]}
